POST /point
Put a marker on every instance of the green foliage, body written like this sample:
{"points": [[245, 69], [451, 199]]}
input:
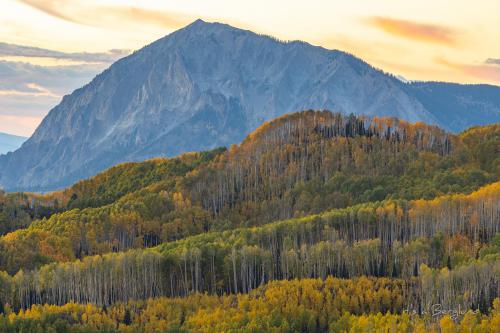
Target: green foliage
{"points": [[17, 210], [109, 186], [492, 250], [482, 143]]}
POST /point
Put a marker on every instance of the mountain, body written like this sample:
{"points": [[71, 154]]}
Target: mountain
{"points": [[209, 85], [458, 106], [9, 142]]}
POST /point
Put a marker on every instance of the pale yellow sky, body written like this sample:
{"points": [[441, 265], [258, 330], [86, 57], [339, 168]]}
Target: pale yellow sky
{"points": [[420, 40]]}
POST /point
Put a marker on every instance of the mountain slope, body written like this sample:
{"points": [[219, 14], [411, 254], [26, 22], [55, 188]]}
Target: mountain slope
{"points": [[458, 106], [204, 86], [9, 142]]}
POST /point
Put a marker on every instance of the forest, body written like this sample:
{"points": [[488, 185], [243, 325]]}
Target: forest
{"points": [[309, 305], [316, 222]]}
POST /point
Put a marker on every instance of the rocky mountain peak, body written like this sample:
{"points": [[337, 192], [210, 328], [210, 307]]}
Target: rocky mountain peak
{"points": [[209, 85]]}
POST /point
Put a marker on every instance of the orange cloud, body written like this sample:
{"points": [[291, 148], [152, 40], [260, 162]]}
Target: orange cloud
{"points": [[488, 72], [107, 16], [430, 33]]}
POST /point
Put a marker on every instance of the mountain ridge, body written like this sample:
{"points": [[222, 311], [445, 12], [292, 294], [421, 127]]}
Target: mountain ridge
{"points": [[10, 142], [204, 86]]}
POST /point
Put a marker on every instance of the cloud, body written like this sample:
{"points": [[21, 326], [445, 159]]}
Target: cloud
{"points": [[430, 33], [492, 61], [57, 79], [488, 72], [19, 125], [13, 50], [28, 92], [92, 14], [32, 90]]}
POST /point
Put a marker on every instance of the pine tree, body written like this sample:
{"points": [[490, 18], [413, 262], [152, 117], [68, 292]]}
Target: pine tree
{"points": [[127, 318]]}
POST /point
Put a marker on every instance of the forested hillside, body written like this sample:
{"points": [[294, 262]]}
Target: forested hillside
{"points": [[390, 238], [366, 215]]}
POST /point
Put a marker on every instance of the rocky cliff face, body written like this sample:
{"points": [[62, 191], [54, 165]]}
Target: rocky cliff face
{"points": [[209, 85]]}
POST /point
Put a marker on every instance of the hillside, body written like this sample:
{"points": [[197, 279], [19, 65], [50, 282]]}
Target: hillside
{"points": [[299, 164], [312, 215], [209, 85], [435, 262]]}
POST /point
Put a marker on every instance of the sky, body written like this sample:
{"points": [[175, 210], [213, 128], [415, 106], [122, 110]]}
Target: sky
{"points": [[48, 48]]}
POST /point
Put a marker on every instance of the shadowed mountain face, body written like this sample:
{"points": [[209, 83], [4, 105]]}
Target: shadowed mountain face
{"points": [[210, 85]]}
